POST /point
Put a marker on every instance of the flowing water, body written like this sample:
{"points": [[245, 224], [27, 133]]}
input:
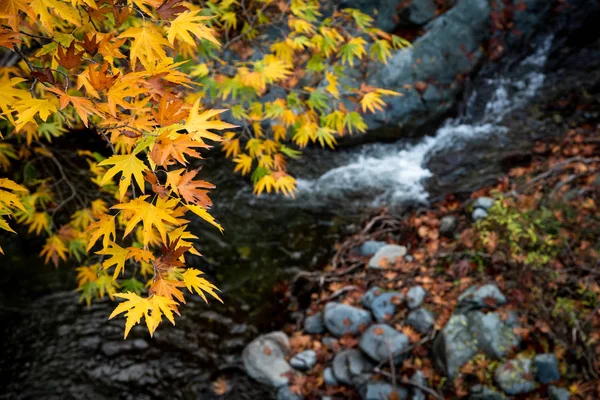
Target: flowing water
{"points": [[53, 347]]}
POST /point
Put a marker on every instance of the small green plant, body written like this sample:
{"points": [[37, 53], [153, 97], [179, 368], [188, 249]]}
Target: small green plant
{"points": [[528, 237]]}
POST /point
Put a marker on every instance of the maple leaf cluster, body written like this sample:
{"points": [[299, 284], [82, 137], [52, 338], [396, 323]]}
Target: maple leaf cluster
{"points": [[121, 70]]}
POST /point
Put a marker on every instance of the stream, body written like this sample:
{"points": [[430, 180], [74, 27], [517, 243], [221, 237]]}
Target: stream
{"points": [[56, 348]]}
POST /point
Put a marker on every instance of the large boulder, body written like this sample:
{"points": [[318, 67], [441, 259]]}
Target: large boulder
{"points": [[264, 359], [382, 343], [342, 319], [419, 12], [352, 367]]}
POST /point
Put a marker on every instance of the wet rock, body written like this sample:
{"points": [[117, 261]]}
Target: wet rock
{"points": [[448, 225], [371, 247], [515, 376], [415, 297], [384, 306], [480, 296], [420, 319], [304, 361], [479, 213], [264, 359], [419, 379], [419, 12], [377, 390], [314, 324], [381, 342], [494, 337], [387, 255], [484, 202], [369, 296], [285, 393], [342, 319], [352, 367], [546, 368], [481, 392], [454, 346], [329, 377], [557, 393]]}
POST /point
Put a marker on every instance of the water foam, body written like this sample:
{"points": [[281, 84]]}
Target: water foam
{"points": [[395, 173]]}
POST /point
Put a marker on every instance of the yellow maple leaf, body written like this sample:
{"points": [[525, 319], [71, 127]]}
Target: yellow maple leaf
{"points": [[128, 165], [119, 256], [54, 249], [27, 109], [147, 45], [200, 285], [159, 306], [105, 228], [198, 124], [202, 213], [150, 215], [186, 23], [135, 308], [83, 106]]}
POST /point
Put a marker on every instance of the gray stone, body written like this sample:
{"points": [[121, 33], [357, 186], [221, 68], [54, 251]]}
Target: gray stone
{"points": [[384, 306], [546, 368], [387, 255], [415, 297], [285, 393], [378, 390], [494, 337], [419, 12], [329, 377], [448, 225], [264, 359], [314, 324], [480, 296], [481, 392], [454, 346], [371, 247], [419, 379], [342, 319], [420, 319], [304, 361], [484, 202], [370, 295], [479, 213], [381, 342], [515, 376], [352, 367], [557, 393]]}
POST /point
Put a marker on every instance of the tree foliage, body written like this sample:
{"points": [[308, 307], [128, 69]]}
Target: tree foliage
{"points": [[153, 79]]}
